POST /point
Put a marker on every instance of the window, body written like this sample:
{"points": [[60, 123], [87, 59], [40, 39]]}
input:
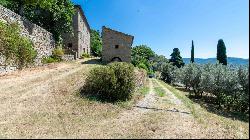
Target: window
{"points": [[116, 46], [70, 45]]}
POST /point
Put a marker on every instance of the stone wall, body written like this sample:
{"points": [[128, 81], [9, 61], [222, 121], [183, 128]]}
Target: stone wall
{"points": [[140, 77], [6, 69], [68, 57], [116, 45], [42, 40]]}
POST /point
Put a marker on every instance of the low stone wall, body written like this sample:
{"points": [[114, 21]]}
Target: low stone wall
{"points": [[68, 57], [140, 77], [6, 69], [41, 39]]}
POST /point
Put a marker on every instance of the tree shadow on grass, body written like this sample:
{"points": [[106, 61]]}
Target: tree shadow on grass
{"points": [[182, 89], [208, 102], [93, 61], [94, 97]]}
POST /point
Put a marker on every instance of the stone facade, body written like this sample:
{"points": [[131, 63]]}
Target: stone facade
{"points": [[79, 41], [68, 57], [41, 39], [116, 46]]}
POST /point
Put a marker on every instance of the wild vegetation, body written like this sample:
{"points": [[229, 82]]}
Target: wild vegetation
{"points": [[56, 56], [114, 82], [95, 43], [228, 85], [16, 49], [53, 15]]}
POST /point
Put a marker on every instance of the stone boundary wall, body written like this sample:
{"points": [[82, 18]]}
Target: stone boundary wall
{"points": [[68, 57], [6, 69], [42, 40], [140, 77]]}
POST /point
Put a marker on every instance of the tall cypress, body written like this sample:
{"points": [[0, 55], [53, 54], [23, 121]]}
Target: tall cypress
{"points": [[176, 58], [192, 52], [221, 52]]}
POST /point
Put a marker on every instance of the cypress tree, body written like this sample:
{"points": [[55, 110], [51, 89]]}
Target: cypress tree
{"points": [[221, 52], [192, 52], [176, 58]]}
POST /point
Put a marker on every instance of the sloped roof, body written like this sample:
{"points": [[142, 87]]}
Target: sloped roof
{"points": [[104, 27], [117, 31], [83, 15]]}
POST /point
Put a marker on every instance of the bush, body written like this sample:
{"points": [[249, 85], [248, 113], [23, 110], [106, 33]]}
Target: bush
{"points": [[49, 59], [114, 82], [57, 54], [15, 48], [143, 66], [85, 55], [125, 83]]}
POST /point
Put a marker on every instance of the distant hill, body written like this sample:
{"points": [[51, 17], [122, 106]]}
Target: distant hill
{"points": [[231, 60]]}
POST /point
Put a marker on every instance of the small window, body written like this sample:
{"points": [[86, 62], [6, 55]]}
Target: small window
{"points": [[116, 46], [70, 45]]}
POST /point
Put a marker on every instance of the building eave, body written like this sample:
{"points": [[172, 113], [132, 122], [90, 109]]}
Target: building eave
{"points": [[83, 15]]}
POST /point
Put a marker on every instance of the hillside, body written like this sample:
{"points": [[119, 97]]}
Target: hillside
{"points": [[45, 102], [231, 60]]}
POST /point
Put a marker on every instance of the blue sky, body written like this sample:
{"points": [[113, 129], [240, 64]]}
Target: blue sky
{"points": [[167, 24]]}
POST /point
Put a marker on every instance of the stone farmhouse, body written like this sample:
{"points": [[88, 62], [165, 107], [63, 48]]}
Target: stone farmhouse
{"points": [[78, 42], [116, 46]]}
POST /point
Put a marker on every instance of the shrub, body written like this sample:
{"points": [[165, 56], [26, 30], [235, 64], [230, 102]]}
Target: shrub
{"points": [[100, 83], [49, 59], [143, 66], [14, 47], [125, 83], [85, 55], [57, 54], [114, 82]]}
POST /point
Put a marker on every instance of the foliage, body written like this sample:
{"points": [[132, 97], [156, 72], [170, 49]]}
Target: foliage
{"points": [[49, 59], [192, 52], [176, 58], [167, 72], [125, 83], [85, 55], [229, 85], [143, 66], [114, 82], [142, 55], [53, 15], [95, 43], [221, 52], [56, 56], [191, 77], [158, 61], [15, 48]]}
